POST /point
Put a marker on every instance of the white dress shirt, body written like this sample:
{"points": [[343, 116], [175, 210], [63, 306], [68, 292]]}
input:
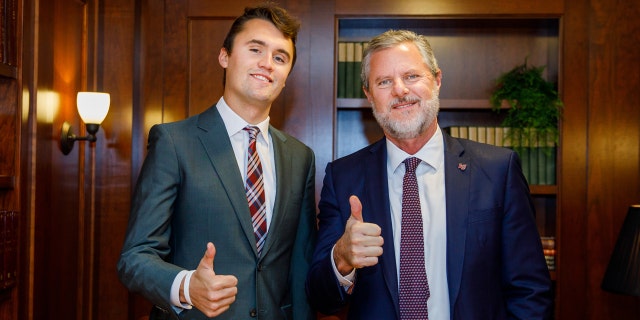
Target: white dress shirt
{"points": [[240, 143], [430, 176]]}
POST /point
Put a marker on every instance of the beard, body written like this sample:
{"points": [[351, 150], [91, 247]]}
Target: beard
{"points": [[407, 126]]}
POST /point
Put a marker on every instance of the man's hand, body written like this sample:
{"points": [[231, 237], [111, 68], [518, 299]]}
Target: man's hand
{"points": [[360, 245], [210, 293]]}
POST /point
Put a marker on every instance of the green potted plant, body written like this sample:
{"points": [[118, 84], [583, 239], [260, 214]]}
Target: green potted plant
{"points": [[532, 118], [535, 107]]}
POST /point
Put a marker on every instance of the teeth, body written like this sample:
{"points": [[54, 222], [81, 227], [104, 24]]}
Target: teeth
{"points": [[261, 77]]}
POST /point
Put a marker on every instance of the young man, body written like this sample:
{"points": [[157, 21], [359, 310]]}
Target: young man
{"points": [[223, 217], [420, 224]]}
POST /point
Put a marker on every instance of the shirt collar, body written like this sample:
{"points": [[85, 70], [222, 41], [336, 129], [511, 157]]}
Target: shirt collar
{"points": [[234, 123], [432, 153]]}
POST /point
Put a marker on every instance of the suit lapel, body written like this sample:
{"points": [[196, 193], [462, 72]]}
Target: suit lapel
{"points": [[376, 186], [215, 141], [283, 183], [458, 170]]}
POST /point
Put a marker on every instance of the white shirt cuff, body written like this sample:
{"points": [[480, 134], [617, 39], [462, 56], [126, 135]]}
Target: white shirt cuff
{"points": [[347, 280], [175, 290]]}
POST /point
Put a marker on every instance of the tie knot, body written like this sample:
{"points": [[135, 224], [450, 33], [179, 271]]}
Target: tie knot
{"points": [[411, 164], [253, 131]]}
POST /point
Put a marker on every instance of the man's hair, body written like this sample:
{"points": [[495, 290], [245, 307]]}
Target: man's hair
{"points": [[268, 11], [391, 39]]}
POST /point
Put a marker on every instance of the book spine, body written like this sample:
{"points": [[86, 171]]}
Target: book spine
{"points": [[342, 69], [350, 70], [491, 135], [357, 67], [533, 148], [473, 133]]}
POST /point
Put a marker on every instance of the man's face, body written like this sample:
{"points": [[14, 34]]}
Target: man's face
{"points": [[258, 65], [402, 91]]}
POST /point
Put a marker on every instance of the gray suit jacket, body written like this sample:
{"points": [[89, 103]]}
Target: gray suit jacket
{"points": [[190, 192]]}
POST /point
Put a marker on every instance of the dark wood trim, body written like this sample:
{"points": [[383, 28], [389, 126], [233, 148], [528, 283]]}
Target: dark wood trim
{"points": [[7, 182]]}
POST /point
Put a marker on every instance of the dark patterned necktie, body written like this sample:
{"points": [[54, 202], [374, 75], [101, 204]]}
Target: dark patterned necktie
{"points": [[414, 288], [255, 190]]}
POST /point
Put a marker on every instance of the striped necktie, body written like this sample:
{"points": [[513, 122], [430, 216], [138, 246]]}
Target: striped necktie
{"points": [[255, 190]]}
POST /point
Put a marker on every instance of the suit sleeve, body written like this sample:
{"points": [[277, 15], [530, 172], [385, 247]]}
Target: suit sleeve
{"points": [[323, 288], [143, 266], [526, 280], [304, 245]]}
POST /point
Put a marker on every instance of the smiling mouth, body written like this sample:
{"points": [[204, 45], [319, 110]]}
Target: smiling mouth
{"points": [[404, 104], [262, 78]]}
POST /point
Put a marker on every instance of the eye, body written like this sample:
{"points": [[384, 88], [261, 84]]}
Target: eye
{"points": [[254, 50], [281, 59], [412, 77], [385, 83]]}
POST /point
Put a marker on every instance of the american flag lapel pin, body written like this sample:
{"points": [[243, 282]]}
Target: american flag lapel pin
{"points": [[462, 166]]}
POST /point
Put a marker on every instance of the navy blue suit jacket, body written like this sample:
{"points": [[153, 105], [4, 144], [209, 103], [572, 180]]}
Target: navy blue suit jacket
{"points": [[495, 265]]}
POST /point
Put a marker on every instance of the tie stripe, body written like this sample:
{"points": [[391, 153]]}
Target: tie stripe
{"points": [[255, 190]]}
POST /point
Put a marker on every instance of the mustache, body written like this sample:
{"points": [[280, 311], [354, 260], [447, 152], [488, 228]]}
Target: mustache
{"points": [[402, 100]]}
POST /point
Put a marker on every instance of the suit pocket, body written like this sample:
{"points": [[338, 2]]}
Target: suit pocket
{"points": [[484, 227]]}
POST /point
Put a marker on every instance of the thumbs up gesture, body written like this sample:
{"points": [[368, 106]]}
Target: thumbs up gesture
{"points": [[360, 245], [211, 293]]}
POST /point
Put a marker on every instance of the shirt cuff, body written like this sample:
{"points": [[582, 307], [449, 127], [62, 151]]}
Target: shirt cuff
{"points": [[346, 281], [175, 290]]}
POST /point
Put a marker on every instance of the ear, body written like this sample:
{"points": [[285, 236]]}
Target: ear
{"points": [[223, 58], [439, 78], [367, 94]]}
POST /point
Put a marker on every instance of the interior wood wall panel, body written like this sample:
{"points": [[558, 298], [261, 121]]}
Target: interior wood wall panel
{"points": [[158, 59], [614, 144], [114, 73], [205, 73], [447, 7], [572, 180]]}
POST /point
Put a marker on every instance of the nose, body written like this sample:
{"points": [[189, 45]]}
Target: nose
{"points": [[399, 88], [266, 62]]}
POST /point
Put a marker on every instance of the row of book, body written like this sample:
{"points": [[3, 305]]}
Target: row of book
{"points": [[8, 248], [549, 250], [349, 67], [537, 155]]}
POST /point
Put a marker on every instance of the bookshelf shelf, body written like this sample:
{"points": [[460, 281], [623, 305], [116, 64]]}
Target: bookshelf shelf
{"points": [[543, 189]]}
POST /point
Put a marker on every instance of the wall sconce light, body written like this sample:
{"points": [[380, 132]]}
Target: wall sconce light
{"points": [[93, 108], [623, 272]]}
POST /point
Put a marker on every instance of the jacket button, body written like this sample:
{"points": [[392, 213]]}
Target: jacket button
{"points": [[253, 313], [260, 267]]}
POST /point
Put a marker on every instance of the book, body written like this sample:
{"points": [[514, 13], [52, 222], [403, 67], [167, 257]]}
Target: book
{"points": [[482, 134], [454, 131], [464, 132], [532, 147], [342, 69], [491, 135], [349, 70], [499, 137], [473, 133], [357, 67], [549, 151]]}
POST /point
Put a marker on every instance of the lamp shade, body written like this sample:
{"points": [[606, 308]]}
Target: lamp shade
{"points": [[93, 106], [623, 273]]}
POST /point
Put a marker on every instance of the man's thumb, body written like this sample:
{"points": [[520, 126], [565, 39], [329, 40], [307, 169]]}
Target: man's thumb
{"points": [[356, 208], [207, 261]]}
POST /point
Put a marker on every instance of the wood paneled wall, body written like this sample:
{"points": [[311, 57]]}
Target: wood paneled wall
{"points": [[75, 207]]}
